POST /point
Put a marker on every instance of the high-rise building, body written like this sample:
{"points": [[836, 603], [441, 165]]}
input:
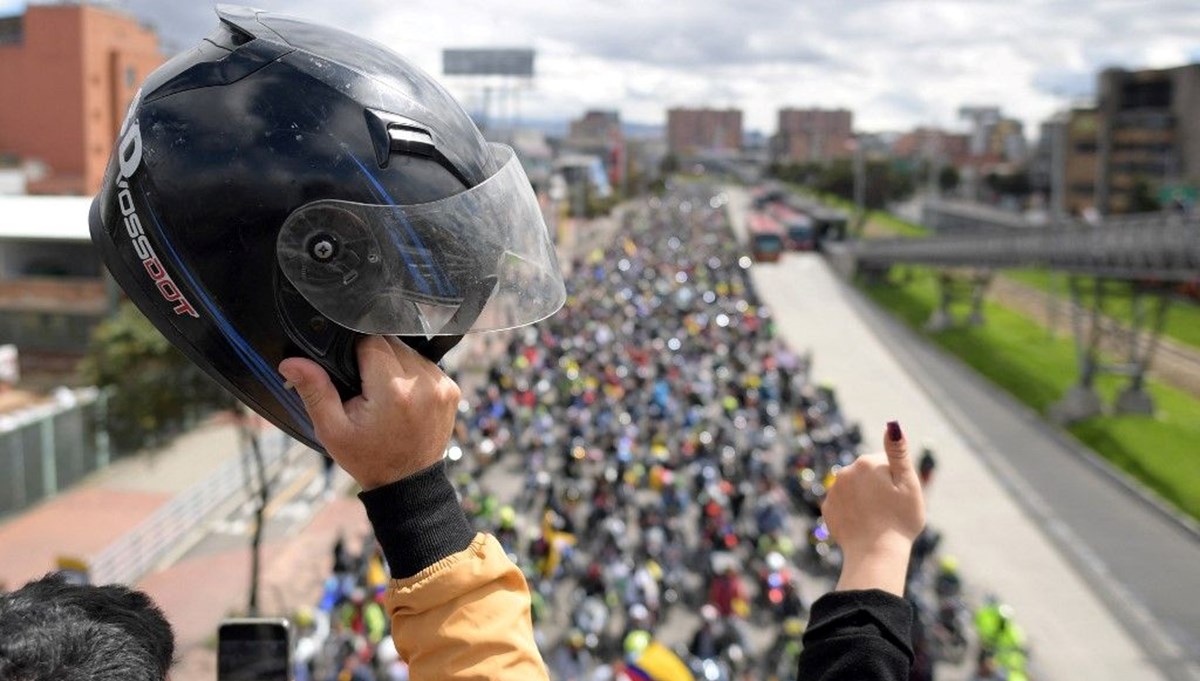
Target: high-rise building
{"points": [[599, 133], [595, 126], [933, 145], [994, 139], [1081, 160], [692, 131], [68, 73], [814, 135], [1148, 135], [1047, 162]]}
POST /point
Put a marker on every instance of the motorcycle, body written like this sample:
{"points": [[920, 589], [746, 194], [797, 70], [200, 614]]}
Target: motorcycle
{"points": [[948, 631], [591, 618], [823, 553]]}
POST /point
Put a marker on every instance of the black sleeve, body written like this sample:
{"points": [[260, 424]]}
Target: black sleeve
{"points": [[858, 636], [418, 520]]}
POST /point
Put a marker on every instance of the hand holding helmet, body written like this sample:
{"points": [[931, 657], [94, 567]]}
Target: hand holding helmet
{"points": [[285, 188], [398, 426]]}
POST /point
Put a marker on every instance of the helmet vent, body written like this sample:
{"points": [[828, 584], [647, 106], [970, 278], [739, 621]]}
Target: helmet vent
{"points": [[392, 133], [409, 140]]}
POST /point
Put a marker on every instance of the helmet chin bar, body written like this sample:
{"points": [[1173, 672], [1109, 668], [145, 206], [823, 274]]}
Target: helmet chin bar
{"points": [[434, 348], [333, 346], [319, 339]]}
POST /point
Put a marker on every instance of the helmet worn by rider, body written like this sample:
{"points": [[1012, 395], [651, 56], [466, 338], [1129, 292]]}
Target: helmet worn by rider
{"points": [[636, 642], [283, 188], [508, 517], [948, 565]]}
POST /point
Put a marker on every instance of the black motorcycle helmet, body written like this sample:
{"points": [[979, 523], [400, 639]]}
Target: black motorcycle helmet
{"points": [[285, 187]]}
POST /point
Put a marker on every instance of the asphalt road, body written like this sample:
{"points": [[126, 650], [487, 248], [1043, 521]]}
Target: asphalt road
{"points": [[1129, 552], [1140, 567]]}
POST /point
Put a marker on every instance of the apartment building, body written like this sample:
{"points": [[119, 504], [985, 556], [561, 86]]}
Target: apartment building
{"points": [[814, 135], [1148, 135], [67, 73], [693, 131]]}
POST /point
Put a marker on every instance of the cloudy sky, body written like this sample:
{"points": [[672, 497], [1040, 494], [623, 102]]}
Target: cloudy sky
{"points": [[895, 63]]}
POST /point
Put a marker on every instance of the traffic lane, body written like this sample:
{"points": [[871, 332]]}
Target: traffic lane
{"points": [[1108, 535], [856, 352]]}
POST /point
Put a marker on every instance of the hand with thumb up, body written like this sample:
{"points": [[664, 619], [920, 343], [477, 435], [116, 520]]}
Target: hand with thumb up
{"points": [[875, 511]]}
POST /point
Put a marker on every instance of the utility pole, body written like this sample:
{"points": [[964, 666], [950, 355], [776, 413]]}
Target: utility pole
{"points": [[860, 179], [1058, 169], [933, 152]]}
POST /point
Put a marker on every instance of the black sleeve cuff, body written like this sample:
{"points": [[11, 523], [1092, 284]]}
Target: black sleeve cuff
{"points": [[863, 614], [418, 520]]}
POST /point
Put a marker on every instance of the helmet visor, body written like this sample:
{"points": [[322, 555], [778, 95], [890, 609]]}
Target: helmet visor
{"points": [[480, 260]]}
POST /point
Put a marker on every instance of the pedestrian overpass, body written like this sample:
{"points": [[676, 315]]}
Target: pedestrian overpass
{"points": [[1148, 258]]}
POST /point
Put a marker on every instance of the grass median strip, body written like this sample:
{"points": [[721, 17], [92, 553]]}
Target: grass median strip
{"points": [[1183, 317], [1020, 356]]}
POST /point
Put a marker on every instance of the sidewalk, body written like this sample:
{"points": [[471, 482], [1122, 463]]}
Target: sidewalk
{"points": [[198, 591], [109, 503], [203, 587]]}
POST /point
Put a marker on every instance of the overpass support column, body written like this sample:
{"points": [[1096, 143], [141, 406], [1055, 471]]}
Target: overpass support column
{"points": [[955, 288], [1145, 328], [1094, 331], [1082, 401]]}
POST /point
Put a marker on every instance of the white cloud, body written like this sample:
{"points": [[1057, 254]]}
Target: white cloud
{"points": [[896, 63]]}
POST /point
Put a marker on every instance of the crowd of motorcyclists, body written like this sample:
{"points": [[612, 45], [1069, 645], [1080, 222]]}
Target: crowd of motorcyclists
{"points": [[654, 457]]}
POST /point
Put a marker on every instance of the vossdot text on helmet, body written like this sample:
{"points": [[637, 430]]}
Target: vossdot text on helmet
{"points": [[129, 159]]}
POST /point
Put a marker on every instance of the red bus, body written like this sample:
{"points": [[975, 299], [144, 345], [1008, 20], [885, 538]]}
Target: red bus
{"points": [[798, 231], [766, 237]]}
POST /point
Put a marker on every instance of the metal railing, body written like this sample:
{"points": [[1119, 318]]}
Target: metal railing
{"points": [[161, 535], [1166, 249], [48, 447]]}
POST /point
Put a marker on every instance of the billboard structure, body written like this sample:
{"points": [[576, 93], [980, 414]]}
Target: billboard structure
{"points": [[495, 77], [488, 62]]}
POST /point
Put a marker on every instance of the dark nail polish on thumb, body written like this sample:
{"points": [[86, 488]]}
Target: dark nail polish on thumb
{"points": [[893, 431]]}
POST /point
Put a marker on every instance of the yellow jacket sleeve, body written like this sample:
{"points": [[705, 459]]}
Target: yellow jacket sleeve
{"points": [[466, 617]]}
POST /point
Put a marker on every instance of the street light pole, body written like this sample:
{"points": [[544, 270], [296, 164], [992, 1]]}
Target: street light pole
{"points": [[860, 181], [1058, 169]]}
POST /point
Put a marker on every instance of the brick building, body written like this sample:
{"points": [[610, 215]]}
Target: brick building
{"points": [[598, 133], [68, 73], [933, 144], [691, 131], [814, 135]]}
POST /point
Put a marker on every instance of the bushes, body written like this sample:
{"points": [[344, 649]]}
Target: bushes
{"points": [[155, 391]]}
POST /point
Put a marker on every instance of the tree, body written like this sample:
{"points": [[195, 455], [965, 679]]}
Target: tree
{"points": [[1009, 184], [668, 165], [155, 389], [1142, 198], [948, 179], [886, 181]]}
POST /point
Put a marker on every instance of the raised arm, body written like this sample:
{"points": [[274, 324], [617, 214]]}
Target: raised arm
{"points": [[458, 605], [862, 630]]}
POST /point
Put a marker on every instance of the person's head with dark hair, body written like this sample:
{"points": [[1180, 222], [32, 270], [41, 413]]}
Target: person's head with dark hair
{"points": [[52, 630]]}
